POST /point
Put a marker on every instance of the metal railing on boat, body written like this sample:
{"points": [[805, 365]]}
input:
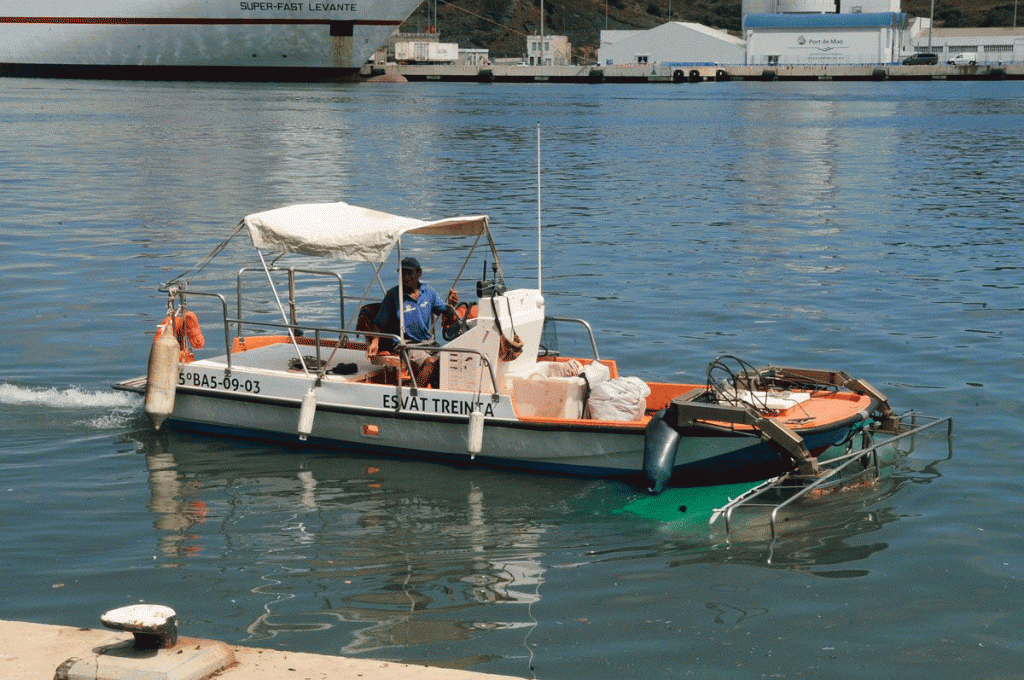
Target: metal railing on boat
{"points": [[295, 330], [318, 344], [292, 305], [582, 322], [781, 492]]}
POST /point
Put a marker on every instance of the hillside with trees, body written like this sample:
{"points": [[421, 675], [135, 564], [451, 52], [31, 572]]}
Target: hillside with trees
{"points": [[502, 25]]}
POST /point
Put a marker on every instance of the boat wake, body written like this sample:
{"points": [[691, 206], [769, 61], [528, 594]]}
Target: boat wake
{"points": [[123, 406]]}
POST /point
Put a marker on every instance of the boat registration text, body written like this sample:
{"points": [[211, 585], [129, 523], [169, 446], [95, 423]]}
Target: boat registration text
{"points": [[212, 382]]}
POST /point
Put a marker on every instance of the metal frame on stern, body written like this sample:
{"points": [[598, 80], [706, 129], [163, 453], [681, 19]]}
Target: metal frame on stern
{"points": [[794, 486]]}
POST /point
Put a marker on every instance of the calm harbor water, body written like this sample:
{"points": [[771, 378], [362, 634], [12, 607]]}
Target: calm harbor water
{"points": [[875, 228]]}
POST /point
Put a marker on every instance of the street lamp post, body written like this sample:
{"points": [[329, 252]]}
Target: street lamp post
{"points": [[930, 22], [542, 32]]}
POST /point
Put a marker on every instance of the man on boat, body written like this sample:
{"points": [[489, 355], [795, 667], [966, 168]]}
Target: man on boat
{"points": [[420, 305]]}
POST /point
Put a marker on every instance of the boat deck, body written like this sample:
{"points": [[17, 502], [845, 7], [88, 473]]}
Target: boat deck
{"points": [[281, 356], [272, 355]]}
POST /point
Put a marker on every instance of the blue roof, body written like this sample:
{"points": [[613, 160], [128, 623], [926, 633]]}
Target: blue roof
{"points": [[877, 19]]}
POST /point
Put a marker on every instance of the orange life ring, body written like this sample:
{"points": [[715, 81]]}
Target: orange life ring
{"points": [[195, 333]]}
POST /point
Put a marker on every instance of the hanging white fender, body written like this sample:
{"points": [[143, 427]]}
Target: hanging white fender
{"points": [[306, 413], [162, 375]]}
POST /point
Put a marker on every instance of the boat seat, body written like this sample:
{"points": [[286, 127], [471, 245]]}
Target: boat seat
{"points": [[365, 322], [367, 313], [387, 375]]}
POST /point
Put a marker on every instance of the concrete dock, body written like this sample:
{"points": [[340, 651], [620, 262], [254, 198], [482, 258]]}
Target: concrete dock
{"points": [[682, 73], [32, 651]]}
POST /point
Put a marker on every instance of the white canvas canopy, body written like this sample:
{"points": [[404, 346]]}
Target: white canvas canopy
{"points": [[345, 231]]}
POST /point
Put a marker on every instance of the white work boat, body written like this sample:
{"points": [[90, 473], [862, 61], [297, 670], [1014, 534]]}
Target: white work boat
{"points": [[499, 398]]}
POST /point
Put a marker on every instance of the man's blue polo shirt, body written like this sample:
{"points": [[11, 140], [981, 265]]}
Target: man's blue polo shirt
{"points": [[418, 312]]}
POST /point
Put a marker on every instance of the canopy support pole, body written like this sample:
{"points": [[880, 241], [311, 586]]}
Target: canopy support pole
{"points": [[284, 314]]}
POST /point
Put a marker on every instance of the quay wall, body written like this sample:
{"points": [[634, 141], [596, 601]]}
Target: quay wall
{"points": [[660, 73]]}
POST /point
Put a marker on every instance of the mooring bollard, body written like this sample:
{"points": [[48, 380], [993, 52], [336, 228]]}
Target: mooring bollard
{"points": [[154, 626], [156, 653]]}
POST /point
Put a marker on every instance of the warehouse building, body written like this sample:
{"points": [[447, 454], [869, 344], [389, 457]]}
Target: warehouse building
{"points": [[809, 32], [819, 6], [993, 45], [671, 44], [825, 39]]}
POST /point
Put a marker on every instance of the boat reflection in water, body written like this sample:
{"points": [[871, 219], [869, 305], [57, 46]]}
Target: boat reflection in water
{"points": [[346, 546], [447, 565]]}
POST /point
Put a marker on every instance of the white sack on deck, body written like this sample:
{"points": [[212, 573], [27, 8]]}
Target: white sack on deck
{"points": [[345, 231], [596, 373], [618, 399]]}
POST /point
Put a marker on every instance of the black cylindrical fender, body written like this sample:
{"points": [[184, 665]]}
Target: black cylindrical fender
{"points": [[660, 443]]}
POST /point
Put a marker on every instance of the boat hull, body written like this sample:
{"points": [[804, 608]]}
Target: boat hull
{"points": [[433, 425]]}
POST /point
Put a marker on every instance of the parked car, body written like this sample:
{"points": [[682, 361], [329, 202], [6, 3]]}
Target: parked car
{"points": [[923, 58], [964, 59]]}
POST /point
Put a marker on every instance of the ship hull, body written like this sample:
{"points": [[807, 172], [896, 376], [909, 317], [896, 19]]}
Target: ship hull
{"points": [[246, 41]]}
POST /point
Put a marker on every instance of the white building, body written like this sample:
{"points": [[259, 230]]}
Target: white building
{"points": [[825, 39], [868, 6], [472, 56], [553, 50], [992, 45], [673, 43], [819, 6], [783, 6], [426, 52], [808, 32]]}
